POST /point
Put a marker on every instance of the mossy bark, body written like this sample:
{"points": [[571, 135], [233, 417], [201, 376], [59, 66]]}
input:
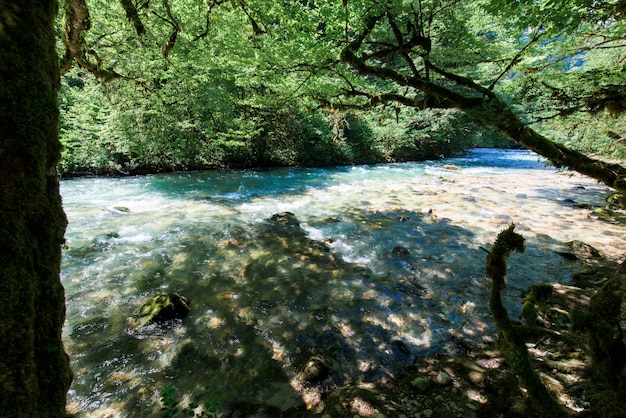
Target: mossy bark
{"points": [[510, 341], [602, 323], [495, 113], [34, 368]]}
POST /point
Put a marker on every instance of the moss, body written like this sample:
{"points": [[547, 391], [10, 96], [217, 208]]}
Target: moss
{"points": [[510, 341], [606, 403], [606, 336], [539, 293], [34, 369]]}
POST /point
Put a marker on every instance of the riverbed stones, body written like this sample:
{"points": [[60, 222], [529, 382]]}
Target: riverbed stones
{"points": [[422, 383], [400, 250], [161, 308], [443, 378]]}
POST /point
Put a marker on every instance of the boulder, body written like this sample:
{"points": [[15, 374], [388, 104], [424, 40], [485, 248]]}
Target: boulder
{"points": [[285, 218], [400, 250], [578, 250], [162, 308], [315, 370]]}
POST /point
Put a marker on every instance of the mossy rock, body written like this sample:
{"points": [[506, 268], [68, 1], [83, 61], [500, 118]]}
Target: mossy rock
{"points": [[162, 308], [315, 370], [285, 218], [400, 250]]}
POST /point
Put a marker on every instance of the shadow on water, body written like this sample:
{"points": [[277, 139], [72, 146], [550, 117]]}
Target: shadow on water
{"points": [[279, 319]]}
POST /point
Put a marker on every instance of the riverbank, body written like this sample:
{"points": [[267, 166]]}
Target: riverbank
{"points": [[423, 152], [476, 381]]}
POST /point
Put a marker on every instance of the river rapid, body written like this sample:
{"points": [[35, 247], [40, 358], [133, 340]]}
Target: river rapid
{"points": [[382, 264]]}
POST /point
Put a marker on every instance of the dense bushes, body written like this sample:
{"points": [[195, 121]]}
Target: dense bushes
{"points": [[118, 128]]}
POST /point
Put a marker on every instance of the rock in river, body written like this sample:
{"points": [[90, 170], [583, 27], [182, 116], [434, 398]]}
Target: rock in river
{"points": [[315, 370], [163, 307]]}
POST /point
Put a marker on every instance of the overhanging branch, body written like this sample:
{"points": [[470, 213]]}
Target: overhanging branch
{"points": [[133, 16]]}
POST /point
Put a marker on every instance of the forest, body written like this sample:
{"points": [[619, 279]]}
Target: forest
{"points": [[99, 88], [185, 86]]}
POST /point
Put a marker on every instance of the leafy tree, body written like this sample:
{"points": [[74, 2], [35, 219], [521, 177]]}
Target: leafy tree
{"points": [[413, 51], [474, 57]]}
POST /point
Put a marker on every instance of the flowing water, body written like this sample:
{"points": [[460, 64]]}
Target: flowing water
{"points": [[386, 264]]}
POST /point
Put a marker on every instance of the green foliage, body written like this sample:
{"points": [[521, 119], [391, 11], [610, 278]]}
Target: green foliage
{"points": [[172, 407], [260, 83]]}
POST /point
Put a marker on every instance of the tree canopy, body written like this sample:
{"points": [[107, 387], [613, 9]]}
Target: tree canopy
{"points": [[246, 73]]}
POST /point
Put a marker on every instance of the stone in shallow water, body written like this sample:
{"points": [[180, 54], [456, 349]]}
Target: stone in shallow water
{"points": [[400, 250], [162, 308], [285, 218], [315, 370]]}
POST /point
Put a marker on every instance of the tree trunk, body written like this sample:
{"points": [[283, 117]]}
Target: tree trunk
{"points": [[480, 103], [497, 114], [34, 368]]}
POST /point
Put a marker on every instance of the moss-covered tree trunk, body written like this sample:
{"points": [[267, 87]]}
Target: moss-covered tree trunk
{"points": [[510, 341], [34, 369], [495, 113]]}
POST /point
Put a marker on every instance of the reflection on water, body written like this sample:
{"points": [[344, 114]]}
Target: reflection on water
{"points": [[380, 264]]}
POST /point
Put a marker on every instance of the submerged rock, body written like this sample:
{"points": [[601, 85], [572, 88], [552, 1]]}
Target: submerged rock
{"points": [[103, 242], [119, 210], [162, 308], [287, 218], [579, 250], [315, 370], [400, 250]]}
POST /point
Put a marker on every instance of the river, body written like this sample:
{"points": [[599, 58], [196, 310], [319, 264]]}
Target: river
{"points": [[380, 265]]}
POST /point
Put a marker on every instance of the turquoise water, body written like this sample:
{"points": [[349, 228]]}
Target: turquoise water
{"points": [[266, 297]]}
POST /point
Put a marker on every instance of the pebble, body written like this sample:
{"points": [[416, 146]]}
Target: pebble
{"points": [[443, 378]]}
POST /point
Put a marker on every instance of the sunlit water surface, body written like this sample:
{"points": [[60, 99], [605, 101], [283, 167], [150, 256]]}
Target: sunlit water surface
{"points": [[265, 301]]}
